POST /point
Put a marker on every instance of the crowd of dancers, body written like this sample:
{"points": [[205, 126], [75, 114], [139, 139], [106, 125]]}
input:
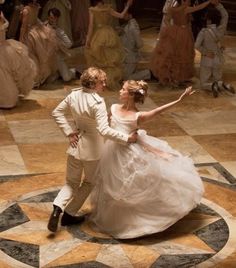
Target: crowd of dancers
{"points": [[172, 61], [46, 34]]}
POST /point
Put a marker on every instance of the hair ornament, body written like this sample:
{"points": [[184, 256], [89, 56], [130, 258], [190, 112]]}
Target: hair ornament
{"points": [[141, 91]]}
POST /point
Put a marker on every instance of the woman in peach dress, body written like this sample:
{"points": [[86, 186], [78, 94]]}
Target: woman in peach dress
{"points": [[40, 40], [172, 60], [17, 70]]}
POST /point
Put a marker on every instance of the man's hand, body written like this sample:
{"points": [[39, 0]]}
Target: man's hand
{"points": [[133, 137], [73, 138]]}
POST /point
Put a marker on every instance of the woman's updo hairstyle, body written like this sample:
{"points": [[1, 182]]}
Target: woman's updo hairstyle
{"points": [[138, 89]]}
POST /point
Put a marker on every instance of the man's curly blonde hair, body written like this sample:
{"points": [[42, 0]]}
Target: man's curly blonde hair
{"points": [[91, 76]]}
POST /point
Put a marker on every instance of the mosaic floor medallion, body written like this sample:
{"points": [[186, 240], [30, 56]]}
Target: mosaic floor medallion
{"points": [[25, 241]]}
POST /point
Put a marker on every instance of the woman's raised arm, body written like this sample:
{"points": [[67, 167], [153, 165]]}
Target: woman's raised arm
{"points": [[198, 7], [90, 30], [146, 116]]}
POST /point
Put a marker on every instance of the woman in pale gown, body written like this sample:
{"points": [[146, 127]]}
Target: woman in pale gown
{"points": [[64, 21], [103, 46], [79, 21], [40, 40], [145, 187], [172, 61], [17, 70]]}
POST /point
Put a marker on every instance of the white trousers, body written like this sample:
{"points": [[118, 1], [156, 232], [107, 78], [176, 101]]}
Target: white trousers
{"points": [[76, 190], [209, 75]]}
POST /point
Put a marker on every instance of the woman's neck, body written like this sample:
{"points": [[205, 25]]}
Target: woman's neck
{"points": [[129, 106]]}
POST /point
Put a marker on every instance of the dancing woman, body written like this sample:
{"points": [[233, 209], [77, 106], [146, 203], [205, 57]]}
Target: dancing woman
{"points": [[172, 60], [145, 187]]}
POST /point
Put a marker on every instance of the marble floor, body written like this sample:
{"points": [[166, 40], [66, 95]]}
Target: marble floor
{"points": [[32, 169]]}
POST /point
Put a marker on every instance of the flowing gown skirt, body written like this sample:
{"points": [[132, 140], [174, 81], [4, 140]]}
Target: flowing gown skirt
{"points": [[143, 188], [17, 72]]}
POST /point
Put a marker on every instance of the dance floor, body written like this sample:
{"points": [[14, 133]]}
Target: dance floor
{"points": [[32, 170]]}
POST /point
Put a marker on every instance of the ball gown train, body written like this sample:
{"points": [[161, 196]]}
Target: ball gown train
{"points": [[142, 188]]}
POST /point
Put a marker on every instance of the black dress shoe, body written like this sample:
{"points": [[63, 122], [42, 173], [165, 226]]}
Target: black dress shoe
{"points": [[67, 219], [228, 88], [54, 219], [215, 89]]}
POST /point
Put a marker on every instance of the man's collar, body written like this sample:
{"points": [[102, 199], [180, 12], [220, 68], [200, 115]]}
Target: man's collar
{"points": [[88, 90]]}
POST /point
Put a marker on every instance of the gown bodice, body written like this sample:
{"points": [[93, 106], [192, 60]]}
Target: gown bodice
{"points": [[179, 16], [101, 16], [124, 125]]}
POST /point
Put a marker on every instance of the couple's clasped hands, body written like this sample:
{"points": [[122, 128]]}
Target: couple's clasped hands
{"points": [[133, 137]]}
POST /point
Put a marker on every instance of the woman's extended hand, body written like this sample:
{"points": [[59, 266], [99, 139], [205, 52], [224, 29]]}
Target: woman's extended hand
{"points": [[188, 91]]}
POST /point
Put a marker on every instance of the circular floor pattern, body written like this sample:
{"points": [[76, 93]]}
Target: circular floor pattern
{"points": [[25, 241]]}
